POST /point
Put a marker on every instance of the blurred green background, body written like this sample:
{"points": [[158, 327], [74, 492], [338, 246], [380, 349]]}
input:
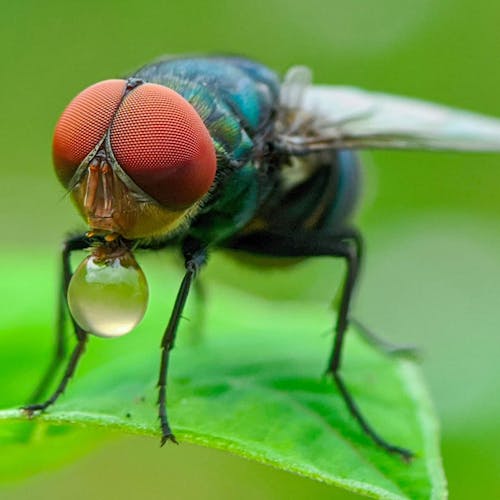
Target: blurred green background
{"points": [[432, 274]]}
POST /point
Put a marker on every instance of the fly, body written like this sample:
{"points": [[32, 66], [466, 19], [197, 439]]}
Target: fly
{"points": [[202, 153]]}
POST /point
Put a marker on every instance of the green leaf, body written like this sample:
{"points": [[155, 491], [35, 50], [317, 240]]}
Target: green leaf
{"points": [[246, 377]]}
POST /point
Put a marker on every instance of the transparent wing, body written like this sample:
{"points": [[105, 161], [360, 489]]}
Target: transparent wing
{"points": [[319, 117]]}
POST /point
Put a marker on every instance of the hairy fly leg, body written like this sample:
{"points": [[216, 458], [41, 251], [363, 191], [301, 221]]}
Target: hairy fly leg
{"points": [[70, 245], [194, 260], [346, 245], [198, 321]]}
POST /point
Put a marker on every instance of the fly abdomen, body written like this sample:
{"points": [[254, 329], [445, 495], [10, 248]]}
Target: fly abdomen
{"points": [[344, 193], [317, 193]]}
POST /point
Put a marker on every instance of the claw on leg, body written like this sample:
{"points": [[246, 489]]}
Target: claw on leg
{"points": [[168, 437], [30, 411]]}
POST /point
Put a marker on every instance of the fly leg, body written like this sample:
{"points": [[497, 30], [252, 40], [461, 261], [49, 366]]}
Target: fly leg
{"points": [[194, 260], [70, 245], [345, 250], [198, 323], [316, 243], [409, 351]]}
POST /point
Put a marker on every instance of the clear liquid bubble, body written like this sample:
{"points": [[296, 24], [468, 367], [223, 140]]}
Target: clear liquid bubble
{"points": [[108, 293]]}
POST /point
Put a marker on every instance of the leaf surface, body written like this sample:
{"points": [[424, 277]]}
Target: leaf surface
{"points": [[245, 376]]}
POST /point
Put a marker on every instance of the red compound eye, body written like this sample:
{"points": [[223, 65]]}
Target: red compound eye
{"points": [[83, 124], [161, 142]]}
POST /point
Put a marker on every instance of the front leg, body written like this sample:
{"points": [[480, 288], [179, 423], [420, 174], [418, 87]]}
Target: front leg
{"points": [[194, 260], [79, 242], [346, 245]]}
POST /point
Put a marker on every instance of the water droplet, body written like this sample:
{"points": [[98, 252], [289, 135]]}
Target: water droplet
{"points": [[108, 296]]}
